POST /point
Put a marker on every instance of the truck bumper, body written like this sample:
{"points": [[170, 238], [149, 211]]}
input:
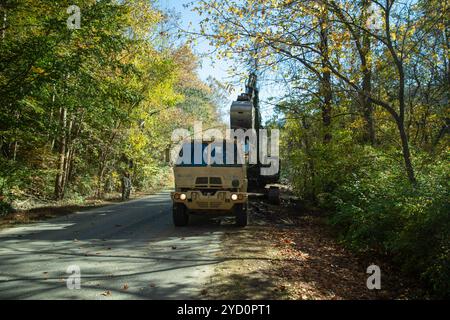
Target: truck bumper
{"points": [[221, 201]]}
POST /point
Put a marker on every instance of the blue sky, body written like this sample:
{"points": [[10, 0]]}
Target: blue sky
{"points": [[210, 64]]}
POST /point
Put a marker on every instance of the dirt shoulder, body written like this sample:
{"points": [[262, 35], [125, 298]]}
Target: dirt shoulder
{"points": [[287, 255], [44, 211]]}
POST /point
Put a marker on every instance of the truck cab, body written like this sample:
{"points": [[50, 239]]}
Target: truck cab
{"points": [[210, 187]]}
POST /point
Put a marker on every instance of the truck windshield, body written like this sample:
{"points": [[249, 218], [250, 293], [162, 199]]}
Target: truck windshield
{"points": [[199, 155]]}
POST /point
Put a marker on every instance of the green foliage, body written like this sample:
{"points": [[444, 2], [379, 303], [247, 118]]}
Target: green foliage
{"points": [[153, 178], [5, 208], [365, 111], [371, 203], [317, 169], [377, 209], [79, 108], [13, 178]]}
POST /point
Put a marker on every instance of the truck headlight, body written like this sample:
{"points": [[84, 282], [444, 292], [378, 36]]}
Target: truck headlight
{"points": [[183, 197], [234, 197]]}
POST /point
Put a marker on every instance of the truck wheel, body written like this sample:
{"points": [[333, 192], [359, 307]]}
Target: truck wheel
{"points": [[273, 196], [180, 216], [241, 215]]}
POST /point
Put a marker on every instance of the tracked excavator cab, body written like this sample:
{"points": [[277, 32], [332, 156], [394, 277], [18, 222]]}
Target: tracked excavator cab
{"points": [[244, 112], [245, 115], [242, 115]]}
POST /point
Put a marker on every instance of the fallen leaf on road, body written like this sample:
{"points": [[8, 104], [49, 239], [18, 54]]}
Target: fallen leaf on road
{"points": [[125, 286], [106, 293], [287, 241]]}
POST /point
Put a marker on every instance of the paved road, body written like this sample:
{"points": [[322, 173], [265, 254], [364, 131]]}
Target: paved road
{"points": [[131, 250]]}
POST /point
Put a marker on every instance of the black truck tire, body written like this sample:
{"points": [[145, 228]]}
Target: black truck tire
{"points": [[273, 195], [180, 215], [241, 215]]}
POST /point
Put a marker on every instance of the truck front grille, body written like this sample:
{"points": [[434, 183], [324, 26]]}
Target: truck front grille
{"points": [[215, 205], [209, 205], [217, 181], [203, 205], [207, 182], [201, 181]]}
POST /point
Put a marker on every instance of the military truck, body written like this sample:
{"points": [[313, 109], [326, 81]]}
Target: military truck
{"points": [[210, 188]]}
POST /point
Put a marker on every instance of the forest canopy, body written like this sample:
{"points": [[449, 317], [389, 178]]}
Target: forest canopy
{"points": [[364, 116], [81, 106]]}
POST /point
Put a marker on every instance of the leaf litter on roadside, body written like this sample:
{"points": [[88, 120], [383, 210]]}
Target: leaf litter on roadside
{"points": [[106, 293]]}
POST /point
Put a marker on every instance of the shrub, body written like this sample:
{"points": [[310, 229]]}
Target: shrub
{"points": [[378, 209], [5, 208]]}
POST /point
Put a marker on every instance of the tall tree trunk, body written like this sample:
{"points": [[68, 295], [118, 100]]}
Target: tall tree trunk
{"points": [[325, 84], [400, 119], [5, 21], [104, 160], [67, 158], [446, 45], [15, 147], [401, 127], [59, 182], [51, 134], [366, 68], [309, 184], [370, 135], [406, 151], [101, 174], [71, 170]]}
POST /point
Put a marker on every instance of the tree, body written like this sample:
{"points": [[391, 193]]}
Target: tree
{"points": [[77, 106], [322, 37]]}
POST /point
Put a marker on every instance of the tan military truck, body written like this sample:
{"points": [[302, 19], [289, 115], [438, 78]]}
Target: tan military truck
{"points": [[210, 188]]}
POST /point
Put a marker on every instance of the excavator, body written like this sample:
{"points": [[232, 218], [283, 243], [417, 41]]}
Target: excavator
{"points": [[218, 189], [245, 114]]}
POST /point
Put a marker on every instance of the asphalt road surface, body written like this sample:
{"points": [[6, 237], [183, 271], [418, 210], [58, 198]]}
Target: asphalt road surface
{"points": [[124, 251]]}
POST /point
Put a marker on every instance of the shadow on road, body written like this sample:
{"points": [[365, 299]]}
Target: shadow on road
{"points": [[127, 251]]}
